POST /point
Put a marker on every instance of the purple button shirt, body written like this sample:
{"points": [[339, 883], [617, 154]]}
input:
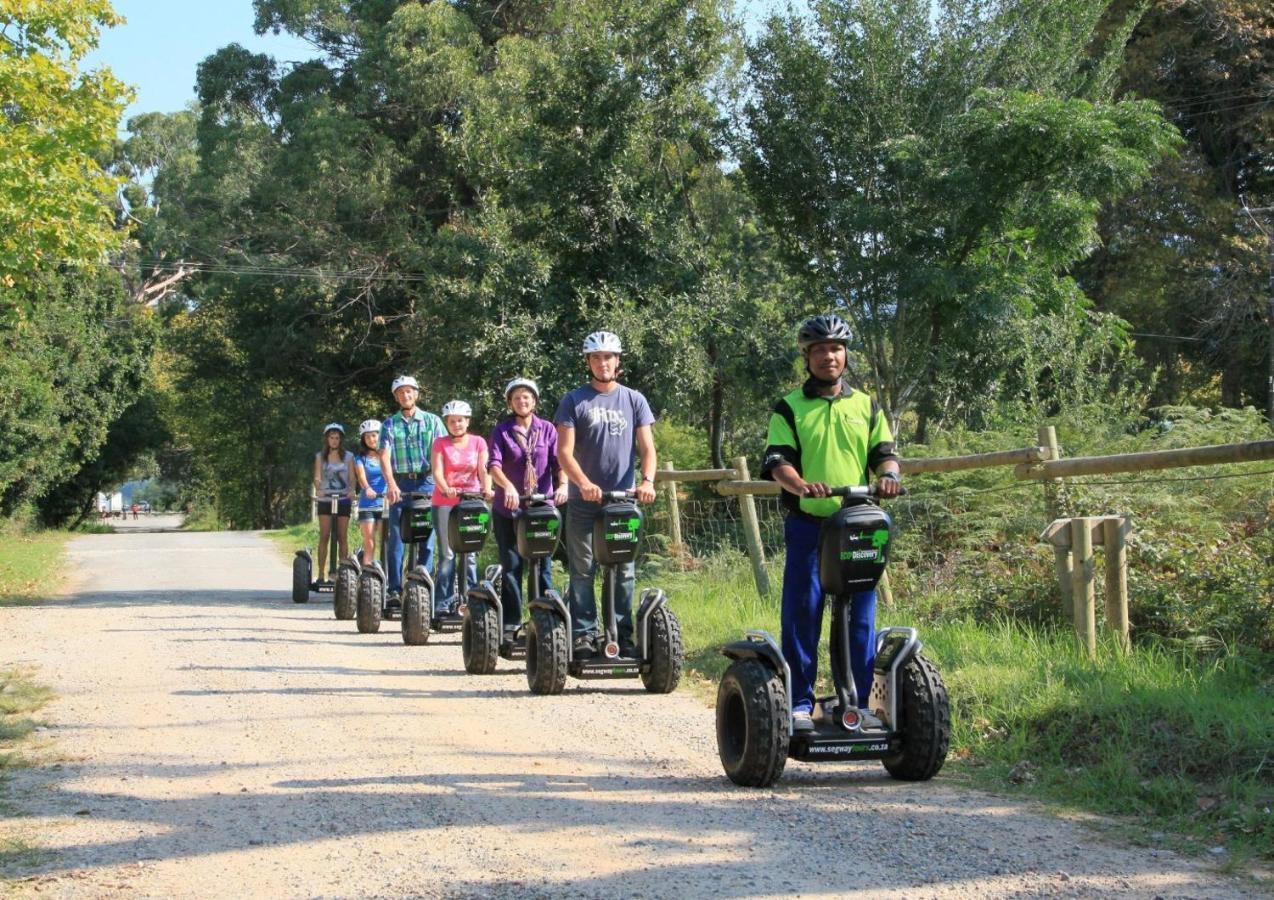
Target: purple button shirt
{"points": [[506, 453]]}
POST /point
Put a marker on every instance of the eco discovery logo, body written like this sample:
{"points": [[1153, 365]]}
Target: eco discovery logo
{"points": [[879, 540]]}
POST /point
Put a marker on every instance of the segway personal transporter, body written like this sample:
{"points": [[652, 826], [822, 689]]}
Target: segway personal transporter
{"points": [[415, 526], [908, 727], [467, 528], [345, 595], [657, 658], [303, 583], [485, 636]]}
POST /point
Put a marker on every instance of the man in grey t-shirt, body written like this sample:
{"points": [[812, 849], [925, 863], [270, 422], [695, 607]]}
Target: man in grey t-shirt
{"points": [[598, 425]]}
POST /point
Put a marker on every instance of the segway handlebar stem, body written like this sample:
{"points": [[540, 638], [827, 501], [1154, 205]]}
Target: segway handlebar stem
{"points": [[859, 490]]}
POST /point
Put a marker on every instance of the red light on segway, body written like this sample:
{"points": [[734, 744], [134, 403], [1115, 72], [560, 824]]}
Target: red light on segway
{"points": [[851, 719], [612, 650]]}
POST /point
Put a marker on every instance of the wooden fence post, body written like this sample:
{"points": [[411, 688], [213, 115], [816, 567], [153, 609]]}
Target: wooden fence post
{"points": [[1114, 531], [1084, 595], [752, 531], [678, 548], [1062, 563]]}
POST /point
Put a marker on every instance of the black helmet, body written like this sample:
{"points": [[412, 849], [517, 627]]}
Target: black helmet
{"points": [[822, 328]]}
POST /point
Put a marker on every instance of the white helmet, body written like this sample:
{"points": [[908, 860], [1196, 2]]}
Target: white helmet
{"points": [[456, 408], [333, 426], [369, 426], [403, 381], [523, 383], [602, 342]]}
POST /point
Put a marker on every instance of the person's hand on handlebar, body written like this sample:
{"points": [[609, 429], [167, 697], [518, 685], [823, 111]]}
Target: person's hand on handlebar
{"points": [[645, 492], [511, 499], [392, 494], [816, 489], [488, 495], [590, 492], [560, 495], [369, 492], [888, 485]]}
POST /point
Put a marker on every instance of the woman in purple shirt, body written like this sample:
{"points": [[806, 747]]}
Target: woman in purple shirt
{"points": [[523, 460]]}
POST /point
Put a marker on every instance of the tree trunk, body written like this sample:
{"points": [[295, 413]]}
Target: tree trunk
{"points": [[716, 410]]}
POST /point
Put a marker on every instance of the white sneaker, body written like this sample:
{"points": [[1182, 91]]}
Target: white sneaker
{"points": [[802, 721]]}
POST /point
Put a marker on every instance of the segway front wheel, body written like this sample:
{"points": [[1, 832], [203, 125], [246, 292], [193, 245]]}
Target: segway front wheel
{"points": [[300, 579], [417, 604], [926, 722], [545, 653], [371, 602], [480, 638], [664, 653], [345, 598], [752, 723]]}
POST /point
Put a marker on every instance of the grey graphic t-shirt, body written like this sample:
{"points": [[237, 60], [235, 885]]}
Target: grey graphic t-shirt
{"points": [[605, 433]]}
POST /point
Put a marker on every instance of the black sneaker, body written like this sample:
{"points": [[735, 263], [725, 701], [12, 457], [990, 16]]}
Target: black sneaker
{"points": [[628, 650], [584, 647]]}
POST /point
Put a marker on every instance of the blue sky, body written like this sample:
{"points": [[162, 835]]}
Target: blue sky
{"points": [[158, 49]]}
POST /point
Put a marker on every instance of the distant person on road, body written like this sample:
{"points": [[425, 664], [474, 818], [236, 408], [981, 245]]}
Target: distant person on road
{"points": [[333, 477], [134, 508], [598, 426], [371, 485], [406, 442], [523, 461], [824, 434], [459, 466]]}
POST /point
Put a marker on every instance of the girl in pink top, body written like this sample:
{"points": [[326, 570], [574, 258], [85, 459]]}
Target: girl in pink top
{"points": [[459, 464]]}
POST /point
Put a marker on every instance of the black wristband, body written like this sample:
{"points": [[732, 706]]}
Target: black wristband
{"points": [[894, 475]]}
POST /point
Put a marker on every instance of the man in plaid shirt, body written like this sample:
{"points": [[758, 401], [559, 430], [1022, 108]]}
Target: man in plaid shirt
{"points": [[406, 439]]}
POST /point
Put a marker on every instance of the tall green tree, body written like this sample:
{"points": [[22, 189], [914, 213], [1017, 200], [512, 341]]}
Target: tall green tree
{"points": [[1182, 260], [463, 190], [937, 168], [57, 123]]}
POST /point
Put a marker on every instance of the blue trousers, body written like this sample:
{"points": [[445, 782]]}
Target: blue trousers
{"points": [[445, 579], [802, 618], [580, 594], [394, 541], [515, 567]]}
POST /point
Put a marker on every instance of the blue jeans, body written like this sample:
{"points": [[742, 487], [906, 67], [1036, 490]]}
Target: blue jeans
{"points": [[445, 583], [514, 567], [802, 618], [394, 541], [580, 515]]}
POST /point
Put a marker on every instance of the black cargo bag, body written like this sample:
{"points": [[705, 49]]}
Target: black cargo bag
{"points": [[616, 533], [854, 549]]}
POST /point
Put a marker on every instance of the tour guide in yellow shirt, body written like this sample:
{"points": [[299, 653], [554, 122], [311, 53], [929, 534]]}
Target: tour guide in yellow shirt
{"points": [[824, 434]]}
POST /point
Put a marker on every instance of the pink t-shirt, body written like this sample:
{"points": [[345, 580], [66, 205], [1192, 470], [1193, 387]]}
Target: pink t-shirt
{"points": [[459, 466]]}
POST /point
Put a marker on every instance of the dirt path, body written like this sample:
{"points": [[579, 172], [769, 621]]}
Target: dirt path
{"points": [[220, 740]]}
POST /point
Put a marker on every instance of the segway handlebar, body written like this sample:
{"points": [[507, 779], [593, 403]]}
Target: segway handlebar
{"points": [[619, 495], [860, 490], [527, 499], [331, 500]]}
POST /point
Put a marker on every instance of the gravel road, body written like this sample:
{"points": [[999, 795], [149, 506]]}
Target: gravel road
{"points": [[217, 740]]}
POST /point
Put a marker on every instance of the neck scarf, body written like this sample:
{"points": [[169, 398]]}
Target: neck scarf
{"points": [[527, 442]]}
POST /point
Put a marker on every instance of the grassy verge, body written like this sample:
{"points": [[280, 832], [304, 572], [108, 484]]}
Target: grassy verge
{"points": [[19, 697], [28, 564], [1180, 749]]}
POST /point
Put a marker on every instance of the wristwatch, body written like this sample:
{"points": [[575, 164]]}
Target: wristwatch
{"points": [[649, 478], [894, 475]]}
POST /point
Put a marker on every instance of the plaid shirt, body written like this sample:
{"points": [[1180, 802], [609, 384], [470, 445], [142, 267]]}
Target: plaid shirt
{"points": [[409, 440]]}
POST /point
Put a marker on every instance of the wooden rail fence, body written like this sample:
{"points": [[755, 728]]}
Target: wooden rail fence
{"points": [[1072, 539]]}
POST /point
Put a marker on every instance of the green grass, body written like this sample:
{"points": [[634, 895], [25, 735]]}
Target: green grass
{"points": [[28, 564], [19, 697], [1166, 742]]}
